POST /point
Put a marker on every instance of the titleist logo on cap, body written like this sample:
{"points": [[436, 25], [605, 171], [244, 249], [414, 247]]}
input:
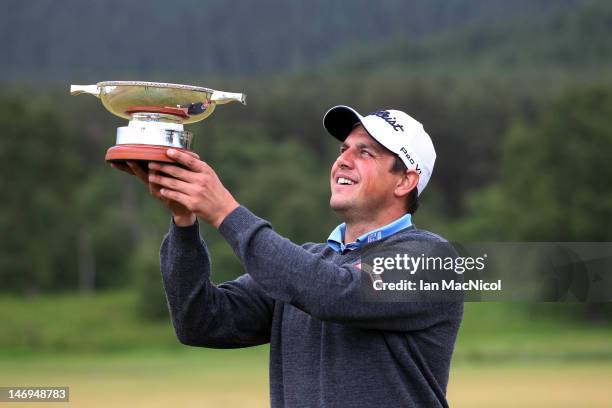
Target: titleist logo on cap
{"points": [[386, 116]]}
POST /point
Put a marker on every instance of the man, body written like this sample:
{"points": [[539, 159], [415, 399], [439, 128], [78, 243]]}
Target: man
{"points": [[328, 347]]}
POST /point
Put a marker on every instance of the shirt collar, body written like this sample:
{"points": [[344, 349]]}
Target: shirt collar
{"points": [[336, 238]]}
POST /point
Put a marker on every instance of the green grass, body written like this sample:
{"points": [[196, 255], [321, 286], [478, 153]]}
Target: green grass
{"points": [[109, 322], [72, 323], [502, 331], [239, 378], [151, 378], [507, 355]]}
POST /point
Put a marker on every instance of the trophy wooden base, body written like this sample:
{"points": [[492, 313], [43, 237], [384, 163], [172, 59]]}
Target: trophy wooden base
{"points": [[140, 152]]}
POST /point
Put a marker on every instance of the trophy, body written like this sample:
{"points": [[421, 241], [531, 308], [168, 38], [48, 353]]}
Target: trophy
{"points": [[157, 112]]}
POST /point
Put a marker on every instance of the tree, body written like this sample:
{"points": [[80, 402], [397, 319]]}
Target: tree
{"points": [[554, 183], [39, 238]]}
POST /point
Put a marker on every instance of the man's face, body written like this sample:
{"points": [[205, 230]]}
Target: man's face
{"points": [[362, 183]]}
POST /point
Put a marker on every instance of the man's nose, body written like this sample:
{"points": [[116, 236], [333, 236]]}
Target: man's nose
{"points": [[345, 160]]}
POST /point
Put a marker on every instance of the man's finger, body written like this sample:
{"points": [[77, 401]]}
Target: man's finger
{"points": [[171, 170], [175, 196], [186, 159], [169, 182], [138, 171], [122, 167], [154, 188]]}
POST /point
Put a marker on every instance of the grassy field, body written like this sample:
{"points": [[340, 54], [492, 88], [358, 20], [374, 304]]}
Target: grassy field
{"points": [[507, 355], [238, 378], [153, 378]]}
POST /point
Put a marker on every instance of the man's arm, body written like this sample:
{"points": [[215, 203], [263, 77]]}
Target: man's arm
{"points": [[285, 271], [290, 274], [232, 314]]}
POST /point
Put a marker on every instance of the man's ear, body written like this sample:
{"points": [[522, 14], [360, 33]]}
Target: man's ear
{"points": [[406, 183]]}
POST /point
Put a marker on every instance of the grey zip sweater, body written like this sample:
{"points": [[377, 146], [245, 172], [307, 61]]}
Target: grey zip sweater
{"points": [[328, 348]]}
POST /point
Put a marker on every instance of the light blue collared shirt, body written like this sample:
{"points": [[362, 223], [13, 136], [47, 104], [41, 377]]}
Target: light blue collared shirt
{"points": [[336, 238]]}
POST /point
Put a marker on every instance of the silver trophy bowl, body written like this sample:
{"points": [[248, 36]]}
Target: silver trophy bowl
{"points": [[157, 112]]}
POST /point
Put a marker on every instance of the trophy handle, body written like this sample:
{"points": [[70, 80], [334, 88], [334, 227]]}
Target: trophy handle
{"points": [[81, 89], [221, 97]]}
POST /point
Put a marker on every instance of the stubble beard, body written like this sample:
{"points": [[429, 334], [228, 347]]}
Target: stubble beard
{"points": [[351, 210], [348, 210], [340, 207]]}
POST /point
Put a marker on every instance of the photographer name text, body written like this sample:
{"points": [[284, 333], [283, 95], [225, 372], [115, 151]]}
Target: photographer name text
{"points": [[448, 285]]}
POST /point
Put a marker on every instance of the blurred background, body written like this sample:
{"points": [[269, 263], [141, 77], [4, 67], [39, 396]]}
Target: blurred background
{"points": [[516, 95]]}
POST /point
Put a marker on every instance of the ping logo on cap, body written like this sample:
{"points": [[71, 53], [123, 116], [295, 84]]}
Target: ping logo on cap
{"points": [[386, 116]]}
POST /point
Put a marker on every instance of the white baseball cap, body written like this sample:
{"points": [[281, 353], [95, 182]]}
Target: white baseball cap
{"points": [[393, 129]]}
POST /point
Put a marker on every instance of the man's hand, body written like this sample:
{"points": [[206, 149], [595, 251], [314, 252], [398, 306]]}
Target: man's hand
{"points": [[181, 215], [196, 188]]}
